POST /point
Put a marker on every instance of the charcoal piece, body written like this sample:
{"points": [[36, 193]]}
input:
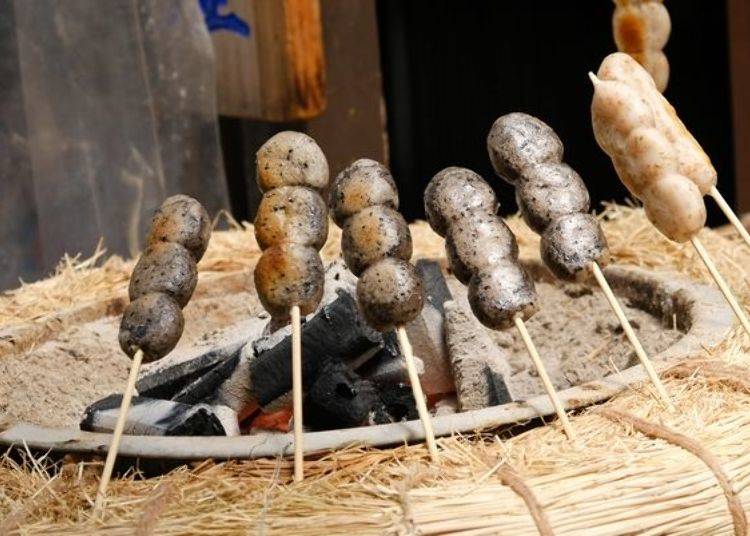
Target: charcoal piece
{"points": [[204, 387], [152, 417], [481, 370], [399, 401], [497, 378], [385, 368], [166, 382], [426, 331], [335, 333], [435, 286], [228, 418], [339, 398], [387, 364]]}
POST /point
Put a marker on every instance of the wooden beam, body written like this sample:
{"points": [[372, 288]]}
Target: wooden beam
{"points": [[353, 125], [277, 72]]}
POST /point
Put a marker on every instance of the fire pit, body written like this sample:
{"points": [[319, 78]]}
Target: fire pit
{"points": [[202, 387]]}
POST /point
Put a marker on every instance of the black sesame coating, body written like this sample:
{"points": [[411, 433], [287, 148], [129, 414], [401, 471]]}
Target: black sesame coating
{"points": [[517, 141], [455, 193], [390, 293], [289, 274], [291, 214], [365, 183], [291, 159], [479, 243], [153, 323], [500, 293], [165, 267], [373, 234], [183, 220], [459, 270], [571, 244], [548, 191]]}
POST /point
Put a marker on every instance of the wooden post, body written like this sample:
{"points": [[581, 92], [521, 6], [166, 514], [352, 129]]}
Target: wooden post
{"points": [[277, 72]]}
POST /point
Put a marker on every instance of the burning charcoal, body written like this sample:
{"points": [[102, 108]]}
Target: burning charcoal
{"points": [[168, 381], [205, 387], [385, 369], [399, 401], [228, 419], [335, 333], [480, 368], [426, 331], [153, 417], [339, 398], [165, 382], [235, 391], [277, 421], [388, 365]]}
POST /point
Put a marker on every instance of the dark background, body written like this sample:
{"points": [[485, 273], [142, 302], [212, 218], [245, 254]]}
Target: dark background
{"points": [[451, 68]]}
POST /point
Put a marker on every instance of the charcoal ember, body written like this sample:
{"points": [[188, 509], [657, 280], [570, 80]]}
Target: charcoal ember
{"points": [[152, 417], [340, 398], [399, 401], [481, 370], [336, 332]]}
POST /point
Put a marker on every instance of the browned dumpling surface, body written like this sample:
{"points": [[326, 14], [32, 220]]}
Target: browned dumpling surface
{"points": [[390, 293], [287, 275], [153, 323]]}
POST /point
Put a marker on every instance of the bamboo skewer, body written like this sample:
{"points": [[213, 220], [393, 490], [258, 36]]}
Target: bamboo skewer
{"points": [[721, 283], [299, 455], [109, 463], [632, 337], [729, 213], [542, 371], [416, 388]]}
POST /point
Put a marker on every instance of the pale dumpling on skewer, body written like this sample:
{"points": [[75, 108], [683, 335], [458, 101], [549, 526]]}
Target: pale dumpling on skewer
{"points": [[655, 156]]}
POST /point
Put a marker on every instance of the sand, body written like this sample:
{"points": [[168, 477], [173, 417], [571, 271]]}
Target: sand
{"points": [[54, 382], [576, 333], [579, 339]]}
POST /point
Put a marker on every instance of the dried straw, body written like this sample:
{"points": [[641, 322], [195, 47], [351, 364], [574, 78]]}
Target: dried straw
{"points": [[628, 477]]}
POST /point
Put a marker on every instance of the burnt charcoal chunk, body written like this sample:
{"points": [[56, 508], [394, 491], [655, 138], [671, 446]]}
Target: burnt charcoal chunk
{"points": [[204, 387], [497, 380], [436, 289], [426, 332], [166, 382], [339, 398], [385, 364], [399, 401], [336, 333], [154, 418], [481, 369]]}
